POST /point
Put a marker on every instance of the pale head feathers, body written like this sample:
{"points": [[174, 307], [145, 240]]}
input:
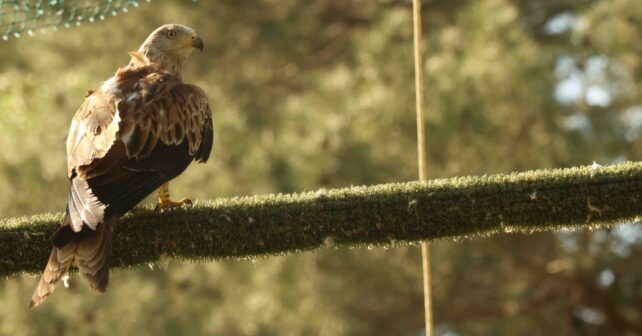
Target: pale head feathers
{"points": [[168, 47]]}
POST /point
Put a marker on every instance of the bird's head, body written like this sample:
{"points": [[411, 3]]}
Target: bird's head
{"points": [[169, 46]]}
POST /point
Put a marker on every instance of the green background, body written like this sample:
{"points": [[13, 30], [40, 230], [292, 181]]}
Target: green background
{"points": [[320, 93]]}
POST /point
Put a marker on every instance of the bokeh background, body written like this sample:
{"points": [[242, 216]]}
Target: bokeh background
{"points": [[319, 93]]}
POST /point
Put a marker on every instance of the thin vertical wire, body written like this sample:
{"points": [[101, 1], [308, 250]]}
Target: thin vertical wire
{"points": [[421, 152], [419, 91]]}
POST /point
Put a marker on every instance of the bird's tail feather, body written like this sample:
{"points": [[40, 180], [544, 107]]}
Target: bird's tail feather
{"points": [[57, 266], [91, 254]]}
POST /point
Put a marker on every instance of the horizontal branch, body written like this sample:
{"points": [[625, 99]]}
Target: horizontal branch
{"points": [[583, 197]]}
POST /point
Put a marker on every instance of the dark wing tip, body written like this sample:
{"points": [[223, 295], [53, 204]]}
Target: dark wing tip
{"points": [[36, 301], [207, 142]]}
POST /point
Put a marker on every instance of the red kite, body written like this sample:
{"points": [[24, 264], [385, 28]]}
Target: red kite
{"points": [[142, 128]]}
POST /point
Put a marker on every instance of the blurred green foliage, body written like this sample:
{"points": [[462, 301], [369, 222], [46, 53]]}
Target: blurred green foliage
{"points": [[319, 93]]}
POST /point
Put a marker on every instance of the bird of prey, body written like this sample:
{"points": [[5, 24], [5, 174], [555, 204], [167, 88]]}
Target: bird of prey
{"points": [[130, 137]]}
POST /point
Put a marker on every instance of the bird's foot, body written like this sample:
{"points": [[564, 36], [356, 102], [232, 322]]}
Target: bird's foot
{"points": [[165, 204]]}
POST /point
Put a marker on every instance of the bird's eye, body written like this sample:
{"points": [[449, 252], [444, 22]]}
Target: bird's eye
{"points": [[171, 34]]}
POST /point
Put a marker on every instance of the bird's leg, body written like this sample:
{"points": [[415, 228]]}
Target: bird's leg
{"points": [[164, 202]]}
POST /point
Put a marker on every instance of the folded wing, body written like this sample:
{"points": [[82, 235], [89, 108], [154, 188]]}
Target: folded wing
{"points": [[140, 130]]}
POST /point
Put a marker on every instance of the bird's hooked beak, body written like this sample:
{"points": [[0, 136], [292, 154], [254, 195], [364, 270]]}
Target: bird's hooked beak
{"points": [[197, 43]]}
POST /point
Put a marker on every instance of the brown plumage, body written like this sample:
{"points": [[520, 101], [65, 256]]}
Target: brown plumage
{"points": [[139, 130]]}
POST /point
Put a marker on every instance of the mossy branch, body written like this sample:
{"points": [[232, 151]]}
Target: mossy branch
{"points": [[380, 215]]}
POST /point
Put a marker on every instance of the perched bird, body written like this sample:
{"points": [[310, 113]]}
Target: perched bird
{"points": [[139, 130]]}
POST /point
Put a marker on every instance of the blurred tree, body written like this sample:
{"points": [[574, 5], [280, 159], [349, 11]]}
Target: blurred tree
{"points": [[319, 93]]}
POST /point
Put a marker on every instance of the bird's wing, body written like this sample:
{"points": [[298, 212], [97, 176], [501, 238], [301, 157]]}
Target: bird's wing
{"points": [[140, 130], [166, 110], [93, 129]]}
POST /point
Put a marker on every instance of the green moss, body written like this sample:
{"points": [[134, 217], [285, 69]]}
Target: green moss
{"points": [[583, 197]]}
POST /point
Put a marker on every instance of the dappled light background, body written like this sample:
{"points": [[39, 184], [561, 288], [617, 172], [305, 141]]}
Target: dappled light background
{"points": [[310, 94]]}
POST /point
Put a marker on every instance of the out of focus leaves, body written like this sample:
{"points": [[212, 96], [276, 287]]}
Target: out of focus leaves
{"points": [[319, 93]]}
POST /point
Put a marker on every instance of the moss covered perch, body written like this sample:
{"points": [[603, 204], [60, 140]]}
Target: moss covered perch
{"points": [[382, 214]]}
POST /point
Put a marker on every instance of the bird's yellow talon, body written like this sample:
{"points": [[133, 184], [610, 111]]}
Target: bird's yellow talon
{"points": [[163, 205], [164, 202]]}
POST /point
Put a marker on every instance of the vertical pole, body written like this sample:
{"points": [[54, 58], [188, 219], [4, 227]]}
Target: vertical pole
{"points": [[425, 255], [421, 151]]}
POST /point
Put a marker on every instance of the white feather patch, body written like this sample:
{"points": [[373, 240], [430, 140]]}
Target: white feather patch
{"points": [[80, 132], [128, 136], [132, 96], [110, 85], [116, 119]]}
